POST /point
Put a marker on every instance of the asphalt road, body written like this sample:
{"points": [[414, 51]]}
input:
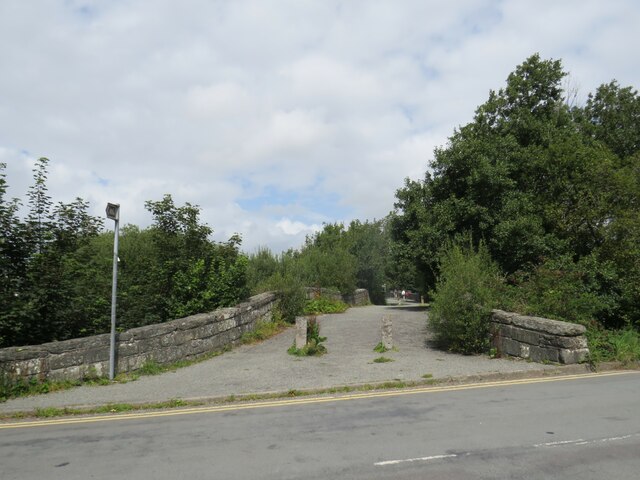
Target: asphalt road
{"points": [[585, 427]]}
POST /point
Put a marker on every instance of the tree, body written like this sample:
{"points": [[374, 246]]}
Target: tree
{"points": [[368, 243], [535, 180], [613, 117]]}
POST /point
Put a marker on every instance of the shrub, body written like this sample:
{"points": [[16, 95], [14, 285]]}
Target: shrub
{"points": [[614, 345], [465, 294], [566, 290], [324, 305], [291, 295]]}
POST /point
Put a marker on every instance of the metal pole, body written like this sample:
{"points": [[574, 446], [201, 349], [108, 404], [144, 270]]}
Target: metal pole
{"points": [[112, 348]]}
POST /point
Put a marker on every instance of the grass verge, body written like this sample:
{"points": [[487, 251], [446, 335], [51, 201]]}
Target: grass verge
{"points": [[114, 408]]}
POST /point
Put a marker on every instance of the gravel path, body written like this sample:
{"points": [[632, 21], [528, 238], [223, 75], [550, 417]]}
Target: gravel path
{"points": [[266, 367]]}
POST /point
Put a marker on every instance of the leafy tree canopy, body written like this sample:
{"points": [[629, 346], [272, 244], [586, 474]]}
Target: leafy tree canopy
{"points": [[535, 180]]}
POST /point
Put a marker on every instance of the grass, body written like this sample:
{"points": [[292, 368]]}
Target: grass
{"points": [[382, 359], [380, 348], [264, 330], [114, 408], [25, 388], [312, 349], [614, 345]]}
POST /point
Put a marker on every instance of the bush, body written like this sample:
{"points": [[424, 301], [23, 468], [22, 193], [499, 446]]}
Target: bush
{"points": [[614, 345], [465, 294], [563, 289], [324, 305], [291, 295]]}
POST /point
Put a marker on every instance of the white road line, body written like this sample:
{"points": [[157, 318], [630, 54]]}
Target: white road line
{"points": [[420, 459], [581, 441], [556, 444], [561, 443]]}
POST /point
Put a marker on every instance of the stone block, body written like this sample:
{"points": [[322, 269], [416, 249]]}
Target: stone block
{"points": [[64, 360], [101, 369], [543, 354], [169, 354], [227, 324], [543, 325], [150, 331], [29, 368], [183, 336], [134, 362], [98, 354], [568, 356], [502, 317], [149, 344], [200, 346], [194, 321], [204, 331], [510, 347], [21, 353]]}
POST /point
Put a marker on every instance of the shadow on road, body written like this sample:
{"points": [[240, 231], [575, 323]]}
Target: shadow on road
{"points": [[411, 308]]}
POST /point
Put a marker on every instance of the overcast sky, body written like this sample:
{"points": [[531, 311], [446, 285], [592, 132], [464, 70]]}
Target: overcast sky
{"points": [[273, 116]]}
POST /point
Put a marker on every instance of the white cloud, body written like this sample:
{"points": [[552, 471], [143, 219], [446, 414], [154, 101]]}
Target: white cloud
{"points": [[272, 116], [289, 227]]}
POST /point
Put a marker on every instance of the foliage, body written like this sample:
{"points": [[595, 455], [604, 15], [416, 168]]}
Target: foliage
{"points": [[10, 388], [151, 367], [382, 359], [325, 261], [336, 258], [380, 348], [263, 330], [261, 266], [56, 264], [614, 345], [314, 345], [564, 290], [553, 191], [465, 294], [321, 305]]}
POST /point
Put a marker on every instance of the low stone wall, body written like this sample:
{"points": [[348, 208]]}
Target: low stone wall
{"points": [[538, 339], [358, 298], [165, 343]]}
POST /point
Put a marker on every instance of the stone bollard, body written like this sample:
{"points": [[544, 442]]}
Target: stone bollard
{"points": [[301, 332], [387, 338]]}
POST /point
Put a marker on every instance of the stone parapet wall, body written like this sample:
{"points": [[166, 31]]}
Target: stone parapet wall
{"points": [[164, 343], [358, 298], [538, 339]]}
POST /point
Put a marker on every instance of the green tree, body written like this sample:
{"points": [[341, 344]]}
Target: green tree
{"points": [[325, 260], [535, 180], [368, 243]]}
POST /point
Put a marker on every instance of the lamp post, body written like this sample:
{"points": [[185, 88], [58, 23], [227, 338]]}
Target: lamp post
{"points": [[113, 213]]}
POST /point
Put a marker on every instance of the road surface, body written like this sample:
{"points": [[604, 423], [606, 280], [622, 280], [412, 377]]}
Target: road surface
{"points": [[585, 427]]}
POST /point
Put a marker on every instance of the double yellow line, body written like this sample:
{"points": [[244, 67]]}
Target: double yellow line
{"points": [[301, 401]]}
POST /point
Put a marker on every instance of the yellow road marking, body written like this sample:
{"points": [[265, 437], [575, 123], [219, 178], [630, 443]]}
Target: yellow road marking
{"points": [[304, 401]]}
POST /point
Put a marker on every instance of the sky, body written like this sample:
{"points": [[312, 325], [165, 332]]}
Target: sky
{"points": [[273, 116]]}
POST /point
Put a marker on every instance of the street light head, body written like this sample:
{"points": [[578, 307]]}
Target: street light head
{"points": [[113, 211]]}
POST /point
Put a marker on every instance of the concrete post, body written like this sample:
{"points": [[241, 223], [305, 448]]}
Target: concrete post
{"points": [[387, 336], [301, 332]]}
